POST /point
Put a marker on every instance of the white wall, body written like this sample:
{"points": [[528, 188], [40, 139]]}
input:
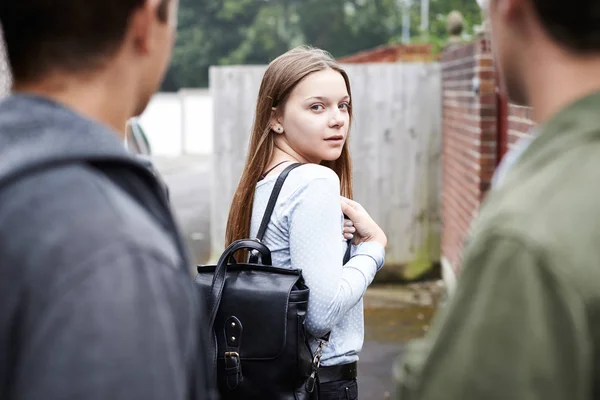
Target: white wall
{"points": [[179, 123], [197, 121]]}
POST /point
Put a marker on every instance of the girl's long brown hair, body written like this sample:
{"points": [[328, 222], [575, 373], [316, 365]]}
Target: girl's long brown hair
{"points": [[280, 78]]}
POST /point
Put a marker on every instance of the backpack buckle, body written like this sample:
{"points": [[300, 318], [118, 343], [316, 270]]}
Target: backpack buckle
{"points": [[233, 354], [233, 369]]}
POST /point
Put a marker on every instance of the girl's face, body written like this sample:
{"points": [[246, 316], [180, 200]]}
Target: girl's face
{"points": [[315, 118]]}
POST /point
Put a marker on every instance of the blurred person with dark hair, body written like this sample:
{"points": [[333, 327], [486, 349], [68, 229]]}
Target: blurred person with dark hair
{"points": [[96, 298], [524, 322]]}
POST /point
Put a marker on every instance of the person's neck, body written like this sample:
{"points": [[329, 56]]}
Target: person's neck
{"points": [[96, 97], [560, 80], [284, 152]]}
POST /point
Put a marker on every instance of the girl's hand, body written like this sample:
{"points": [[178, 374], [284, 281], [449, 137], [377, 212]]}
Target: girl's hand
{"points": [[366, 229], [349, 229]]}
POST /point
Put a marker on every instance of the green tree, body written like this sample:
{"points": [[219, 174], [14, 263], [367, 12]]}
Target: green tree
{"points": [[224, 32], [208, 31], [346, 27]]}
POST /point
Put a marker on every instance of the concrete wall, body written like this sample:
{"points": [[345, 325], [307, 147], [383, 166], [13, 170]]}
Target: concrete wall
{"points": [[179, 123]]}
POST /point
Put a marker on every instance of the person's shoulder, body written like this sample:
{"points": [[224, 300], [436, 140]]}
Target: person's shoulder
{"points": [[75, 207], [308, 175], [310, 184]]}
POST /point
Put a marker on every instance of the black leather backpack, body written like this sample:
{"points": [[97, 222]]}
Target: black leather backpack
{"points": [[256, 316]]}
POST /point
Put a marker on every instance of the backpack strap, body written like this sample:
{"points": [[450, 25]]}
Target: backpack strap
{"points": [[273, 199]]}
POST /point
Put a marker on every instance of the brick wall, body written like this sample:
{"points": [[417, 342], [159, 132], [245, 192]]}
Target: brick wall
{"points": [[469, 140], [478, 128], [519, 123], [393, 53]]}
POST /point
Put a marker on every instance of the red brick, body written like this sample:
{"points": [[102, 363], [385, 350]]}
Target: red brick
{"points": [[488, 86], [485, 62], [487, 99], [469, 153], [487, 75]]}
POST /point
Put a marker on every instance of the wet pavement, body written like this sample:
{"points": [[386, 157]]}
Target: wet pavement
{"points": [[394, 314], [188, 179]]}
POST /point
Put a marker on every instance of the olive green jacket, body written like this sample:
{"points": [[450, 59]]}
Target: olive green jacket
{"points": [[524, 322]]}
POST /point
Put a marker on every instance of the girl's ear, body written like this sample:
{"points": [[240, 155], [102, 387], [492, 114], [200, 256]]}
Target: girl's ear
{"points": [[274, 122]]}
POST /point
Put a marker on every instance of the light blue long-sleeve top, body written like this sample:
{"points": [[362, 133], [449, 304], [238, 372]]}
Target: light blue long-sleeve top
{"points": [[305, 232]]}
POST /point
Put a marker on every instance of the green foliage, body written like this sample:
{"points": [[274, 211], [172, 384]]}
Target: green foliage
{"points": [[208, 31], [438, 12], [225, 32]]}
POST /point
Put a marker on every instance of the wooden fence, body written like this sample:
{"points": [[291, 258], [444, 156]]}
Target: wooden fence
{"points": [[395, 143]]}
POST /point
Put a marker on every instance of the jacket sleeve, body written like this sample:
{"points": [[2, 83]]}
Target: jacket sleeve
{"points": [[513, 330]]}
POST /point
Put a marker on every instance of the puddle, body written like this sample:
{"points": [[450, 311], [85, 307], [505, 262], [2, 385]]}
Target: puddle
{"points": [[400, 313], [397, 325]]}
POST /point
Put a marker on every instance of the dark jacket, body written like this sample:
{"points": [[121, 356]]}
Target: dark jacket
{"points": [[96, 299]]}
